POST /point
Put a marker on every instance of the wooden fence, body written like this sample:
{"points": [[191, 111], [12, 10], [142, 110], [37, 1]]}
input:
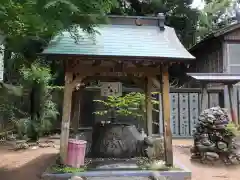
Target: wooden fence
{"points": [[185, 109]]}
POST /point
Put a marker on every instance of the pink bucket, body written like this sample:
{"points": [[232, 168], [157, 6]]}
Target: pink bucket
{"points": [[76, 153]]}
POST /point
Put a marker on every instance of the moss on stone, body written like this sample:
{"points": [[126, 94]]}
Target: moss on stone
{"points": [[66, 169]]}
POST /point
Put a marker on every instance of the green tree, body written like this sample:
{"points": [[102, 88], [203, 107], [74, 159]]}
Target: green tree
{"points": [[131, 104], [179, 14], [43, 109], [215, 15], [27, 26]]}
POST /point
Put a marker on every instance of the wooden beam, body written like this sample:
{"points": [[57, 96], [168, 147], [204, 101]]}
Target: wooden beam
{"points": [[86, 69], [204, 97], [79, 107], [149, 106], [156, 82], [232, 104], [138, 81], [146, 104], [76, 110], [166, 116], [76, 81], [67, 106]]}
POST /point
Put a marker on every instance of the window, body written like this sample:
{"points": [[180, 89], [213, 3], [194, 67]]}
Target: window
{"points": [[233, 58], [234, 69]]}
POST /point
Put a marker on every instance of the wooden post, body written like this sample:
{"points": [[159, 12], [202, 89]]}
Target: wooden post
{"points": [[227, 100], [166, 116], [79, 106], [77, 83], [149, 107], [67, 105], [232, 104], [76, 109], [146, 104], [204, 97]]}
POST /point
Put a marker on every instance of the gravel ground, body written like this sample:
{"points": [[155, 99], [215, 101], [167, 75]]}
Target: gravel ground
{"points": [[203, 171], [25, 164]]}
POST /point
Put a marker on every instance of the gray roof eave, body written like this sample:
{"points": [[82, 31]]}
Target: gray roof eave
{"points": [[124, 40], [214, 35]]}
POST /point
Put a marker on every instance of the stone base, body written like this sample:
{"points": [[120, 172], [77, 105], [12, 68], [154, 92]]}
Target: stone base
{"points": [[112, 171]]}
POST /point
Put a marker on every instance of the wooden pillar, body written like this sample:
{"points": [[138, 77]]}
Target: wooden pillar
{"points": [[76, 110], [166, 116], [146, 105], [79, 107], [227, 101], [149, 107], [232, 104], [204, 97], [67, 105]]}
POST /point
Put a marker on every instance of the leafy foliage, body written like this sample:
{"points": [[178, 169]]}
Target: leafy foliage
{"points": [[25, 21], [44, 111], [36, 74], [179, 14], [190, 24], [131, 104], [232, 129], [26, 27], [215, 15], [9, 104], [56, 169]]}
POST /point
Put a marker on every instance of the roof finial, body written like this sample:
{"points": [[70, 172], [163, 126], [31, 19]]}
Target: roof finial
{"points": [[161, 21]]}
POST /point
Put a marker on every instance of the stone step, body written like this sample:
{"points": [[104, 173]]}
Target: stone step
{"points": [[110, 178]]}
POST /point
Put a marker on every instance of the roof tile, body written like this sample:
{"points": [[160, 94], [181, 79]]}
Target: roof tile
{"points": [[122, 40]]}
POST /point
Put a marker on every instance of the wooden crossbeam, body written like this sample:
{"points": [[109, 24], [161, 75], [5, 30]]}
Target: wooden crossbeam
{"points": [[85, 70]]}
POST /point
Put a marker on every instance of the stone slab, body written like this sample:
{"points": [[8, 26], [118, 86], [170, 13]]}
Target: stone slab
{"points": [[118, 166], [111, 164], [175, 175], [118, 178]]}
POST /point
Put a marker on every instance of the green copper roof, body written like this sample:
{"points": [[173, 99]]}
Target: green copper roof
{"points": [[122, 40]]}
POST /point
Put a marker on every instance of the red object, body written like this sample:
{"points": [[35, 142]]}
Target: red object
{"points": [[76, 153], [234, 118]]}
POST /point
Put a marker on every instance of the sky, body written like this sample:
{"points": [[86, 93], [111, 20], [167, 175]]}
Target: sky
{"points": [[198, 4]]}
